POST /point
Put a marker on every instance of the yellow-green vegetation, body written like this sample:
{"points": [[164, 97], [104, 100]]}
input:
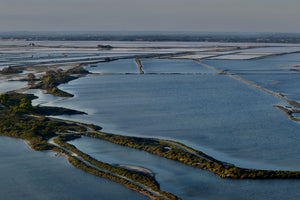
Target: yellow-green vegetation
{"points": [[52, 79], [81, 165], [179, 152], [142, 178], [21, 103], [139, 177], [19, 119]]}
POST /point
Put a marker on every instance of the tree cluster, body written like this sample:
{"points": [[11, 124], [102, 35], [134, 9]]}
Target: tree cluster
{"points": [[19, 119]]}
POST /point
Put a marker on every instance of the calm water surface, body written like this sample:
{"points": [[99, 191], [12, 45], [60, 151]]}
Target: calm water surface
{"points": [[173, 66], [213, 113], [278, 74], [6, 86], [30, 175], [187, 182], [118, 66]]}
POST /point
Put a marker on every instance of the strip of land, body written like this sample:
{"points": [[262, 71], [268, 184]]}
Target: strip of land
{"points": [[139, 64], [18, 118], [291, 102]]}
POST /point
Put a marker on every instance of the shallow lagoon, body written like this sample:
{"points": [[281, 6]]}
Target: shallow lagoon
{"points": [[213, 113], [118, 66], [31, 175], [273, 73], [6, 86], [285, 84], [271, 64], [187, 182], [173, 66]]}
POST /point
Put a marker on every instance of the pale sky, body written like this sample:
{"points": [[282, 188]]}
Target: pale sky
{"points": [[150, 15]]}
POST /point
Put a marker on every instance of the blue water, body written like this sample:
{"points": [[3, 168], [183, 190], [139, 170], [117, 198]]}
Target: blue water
{"points": [[214, 113], [273, 73], [187, 182], [30, 175], [6, 86], [269, 64], [286, 84], [184, 101], [118, 66], [173, 66]]}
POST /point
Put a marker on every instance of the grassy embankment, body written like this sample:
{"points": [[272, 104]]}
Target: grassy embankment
{"points": [[139, 177], [181, 153], [81, 165], [21, 120]]}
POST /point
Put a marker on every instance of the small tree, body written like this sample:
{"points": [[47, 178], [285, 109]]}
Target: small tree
{"points": [[23, 107]]}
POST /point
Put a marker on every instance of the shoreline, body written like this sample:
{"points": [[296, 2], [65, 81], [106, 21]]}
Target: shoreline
{"points": [[183, 154], [20, 111], [136, 168], [221, 168]]}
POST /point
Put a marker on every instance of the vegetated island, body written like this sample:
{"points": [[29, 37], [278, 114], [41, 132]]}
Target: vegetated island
{"points": [[19, 119], [52, 79]]}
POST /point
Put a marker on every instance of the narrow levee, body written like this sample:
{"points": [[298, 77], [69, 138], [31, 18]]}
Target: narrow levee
{"points": [[278, 95], [139, 64]]}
